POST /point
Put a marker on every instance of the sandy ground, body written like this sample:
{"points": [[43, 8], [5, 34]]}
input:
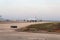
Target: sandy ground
{"points": [[28, 36], [7, 33]]}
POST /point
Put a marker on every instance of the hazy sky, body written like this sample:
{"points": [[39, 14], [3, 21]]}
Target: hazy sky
{"points": [[20, 9]]}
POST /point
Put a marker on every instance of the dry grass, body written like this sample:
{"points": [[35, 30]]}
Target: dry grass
{"points": [[45, 27]]}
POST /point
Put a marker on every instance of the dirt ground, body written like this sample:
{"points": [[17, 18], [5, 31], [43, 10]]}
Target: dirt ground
{"points": [[7, 33]]}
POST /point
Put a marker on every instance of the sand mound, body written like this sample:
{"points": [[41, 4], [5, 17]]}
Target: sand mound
{"points": [[45, 27]]}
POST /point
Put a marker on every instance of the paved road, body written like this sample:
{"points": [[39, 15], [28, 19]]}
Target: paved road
{"points": [[7, 25]]}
